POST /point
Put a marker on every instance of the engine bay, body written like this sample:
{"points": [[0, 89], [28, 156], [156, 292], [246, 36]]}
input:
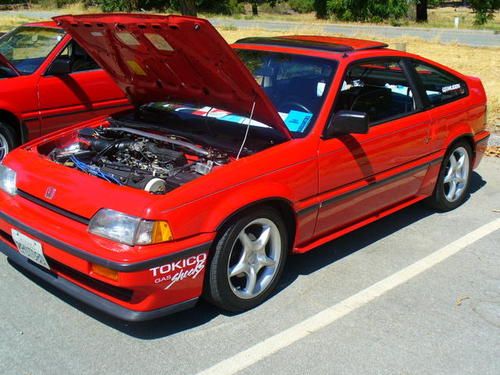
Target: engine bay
{"points": [[156, 163]]}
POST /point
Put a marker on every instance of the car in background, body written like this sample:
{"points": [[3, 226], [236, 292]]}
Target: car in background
{"points": [[47, 82], [232, 159]]}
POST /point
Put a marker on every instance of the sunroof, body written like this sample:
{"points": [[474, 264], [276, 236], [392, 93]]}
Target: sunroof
{"points": [[327, 44]]}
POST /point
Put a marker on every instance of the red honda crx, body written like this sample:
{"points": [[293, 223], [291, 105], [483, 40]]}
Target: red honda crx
{"points": [[232, 159], [47, 82]]}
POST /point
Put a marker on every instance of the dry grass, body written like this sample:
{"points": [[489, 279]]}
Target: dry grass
{"points": [[444, 17], [9, 22], [475, 61], [437, 17]]}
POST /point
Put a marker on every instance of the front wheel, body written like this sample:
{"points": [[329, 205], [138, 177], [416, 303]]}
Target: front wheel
{"points": [[453, 184], [248, 260]]}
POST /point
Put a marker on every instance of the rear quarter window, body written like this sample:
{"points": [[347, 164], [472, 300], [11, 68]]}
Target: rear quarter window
{"points": [[440, 87]]}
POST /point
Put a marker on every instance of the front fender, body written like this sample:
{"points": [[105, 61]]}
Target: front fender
{"points": [[291, 184], [208, 214], [245, 197]]}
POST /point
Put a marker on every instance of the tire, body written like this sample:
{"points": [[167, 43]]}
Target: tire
{"points": [[7, 140], [446, 197], [242, 250]]}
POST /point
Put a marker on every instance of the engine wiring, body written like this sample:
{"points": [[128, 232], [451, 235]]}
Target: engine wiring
{"points": [[95, 171]]}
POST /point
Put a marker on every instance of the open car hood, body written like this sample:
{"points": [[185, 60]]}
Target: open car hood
{"points": [[4, 61], [172, 58]]}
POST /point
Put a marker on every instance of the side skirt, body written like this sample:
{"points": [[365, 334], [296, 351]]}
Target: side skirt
{"points": [[338, 233]]}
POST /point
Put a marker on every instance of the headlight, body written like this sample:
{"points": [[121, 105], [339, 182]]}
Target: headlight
{"points": [[128, 229], [8, 180]]}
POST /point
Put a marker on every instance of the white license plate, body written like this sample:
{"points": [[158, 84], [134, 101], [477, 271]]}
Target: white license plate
{"points": [[31, 249]]}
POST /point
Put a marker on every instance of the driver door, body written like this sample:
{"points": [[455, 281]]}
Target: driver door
{"points": [[363, 174], [86, 91]]}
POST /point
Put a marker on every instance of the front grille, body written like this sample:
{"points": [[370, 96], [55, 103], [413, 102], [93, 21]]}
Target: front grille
{"points": [[53, 208]]}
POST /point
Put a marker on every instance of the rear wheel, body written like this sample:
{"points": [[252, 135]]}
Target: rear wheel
{"points": [[248, 261], [7, 140], [453, 184]]}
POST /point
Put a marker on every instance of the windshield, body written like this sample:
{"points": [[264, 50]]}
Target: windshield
{"points": [[296, 84], [27, 47]]}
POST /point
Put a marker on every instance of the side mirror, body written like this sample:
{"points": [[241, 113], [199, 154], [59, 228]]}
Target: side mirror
{"points": [[347, 122], [59, 67]]}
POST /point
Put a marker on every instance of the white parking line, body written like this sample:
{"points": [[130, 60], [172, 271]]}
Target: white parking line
{"points": [[313, 324]]}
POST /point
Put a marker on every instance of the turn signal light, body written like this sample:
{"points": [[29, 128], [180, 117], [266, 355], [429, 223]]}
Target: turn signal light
{"points": [[161, 232], [104, 271]]}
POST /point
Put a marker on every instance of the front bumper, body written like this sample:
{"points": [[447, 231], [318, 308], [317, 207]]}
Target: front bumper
{"points": [[146, 288], [89, 298]]}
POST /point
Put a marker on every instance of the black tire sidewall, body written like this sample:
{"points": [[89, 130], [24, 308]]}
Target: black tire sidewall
{"points": [[439, 195], [218, 288], [9, 135]]}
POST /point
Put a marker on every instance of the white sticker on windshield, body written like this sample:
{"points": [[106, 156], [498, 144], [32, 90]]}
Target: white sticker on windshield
{"points": [[96, 33]]}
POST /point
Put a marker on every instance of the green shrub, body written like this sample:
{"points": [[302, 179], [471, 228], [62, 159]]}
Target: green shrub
{"points": [[484, 10], [373, 11], [129, 5], [302, 6], [63, 3]]}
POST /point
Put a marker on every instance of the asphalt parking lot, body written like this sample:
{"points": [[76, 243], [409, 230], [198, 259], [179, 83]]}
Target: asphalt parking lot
{"points": [[443, 319]]}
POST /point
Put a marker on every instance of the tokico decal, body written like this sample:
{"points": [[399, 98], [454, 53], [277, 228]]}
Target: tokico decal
{"points": [[179, 270]]}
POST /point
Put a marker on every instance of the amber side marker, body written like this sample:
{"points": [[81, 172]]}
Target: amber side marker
{"points": [[104, 271]]}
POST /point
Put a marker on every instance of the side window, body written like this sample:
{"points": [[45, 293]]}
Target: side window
{"points": [[378, 88], [80, 61], [440, 87]]}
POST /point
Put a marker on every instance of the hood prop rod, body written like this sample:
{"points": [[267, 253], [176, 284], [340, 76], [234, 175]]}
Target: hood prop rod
{"points": [[246, 131]]}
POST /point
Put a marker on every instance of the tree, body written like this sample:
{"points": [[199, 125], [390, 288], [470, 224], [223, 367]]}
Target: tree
{"points": [[256, 3], [422, 10], [321, 9], [255, 8], [188, 7], [484, 10]]}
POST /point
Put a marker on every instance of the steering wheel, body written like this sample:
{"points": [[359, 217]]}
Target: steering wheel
{"points": [[291, 104]]}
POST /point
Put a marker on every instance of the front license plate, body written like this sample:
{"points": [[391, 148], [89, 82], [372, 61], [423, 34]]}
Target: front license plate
{"points": [[31, 249]]}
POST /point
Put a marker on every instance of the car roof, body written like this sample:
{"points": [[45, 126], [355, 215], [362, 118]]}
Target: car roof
{"points": [[50, 24], [323, 43]]}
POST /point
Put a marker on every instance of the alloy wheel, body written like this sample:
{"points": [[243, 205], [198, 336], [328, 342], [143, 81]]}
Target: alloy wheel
{"points": [[456, 175], [254, 259]]}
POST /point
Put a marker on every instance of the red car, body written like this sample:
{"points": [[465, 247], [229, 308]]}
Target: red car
{"points": [[47, 81], [233, 159]]}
